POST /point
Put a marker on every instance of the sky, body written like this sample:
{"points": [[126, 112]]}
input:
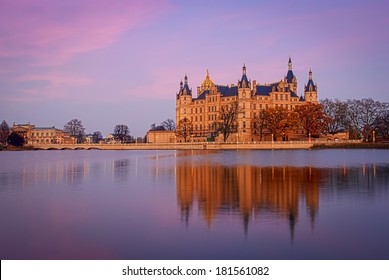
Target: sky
{"points": [[121, 61]]}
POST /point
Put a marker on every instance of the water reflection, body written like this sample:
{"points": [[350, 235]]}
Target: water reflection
{"points": [[69, 173], [189, 205], [255, 192]]}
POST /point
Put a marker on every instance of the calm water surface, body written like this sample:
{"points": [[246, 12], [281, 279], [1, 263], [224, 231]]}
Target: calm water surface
{"points": [[326, 204]]}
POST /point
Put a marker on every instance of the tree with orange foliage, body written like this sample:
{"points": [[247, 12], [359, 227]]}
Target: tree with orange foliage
{"points": [[312, 118], [279, 121]]}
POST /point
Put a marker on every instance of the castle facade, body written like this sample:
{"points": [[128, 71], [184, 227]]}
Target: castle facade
{"points": [[203, 109]]}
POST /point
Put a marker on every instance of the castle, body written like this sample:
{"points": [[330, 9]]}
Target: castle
{"points": [[203, 110]]}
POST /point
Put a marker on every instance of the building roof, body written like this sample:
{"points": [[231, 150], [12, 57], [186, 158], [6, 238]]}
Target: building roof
{"points": [[289, 76], [292, 94], [45, 128], [264, 90], [228, 91]]}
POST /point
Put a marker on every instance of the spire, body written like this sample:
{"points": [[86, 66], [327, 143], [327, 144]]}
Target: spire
{"points": [[310, 74], [290, 64], [289, 74], [181, 84], [186, 79], [207, 77], [244, 82]]}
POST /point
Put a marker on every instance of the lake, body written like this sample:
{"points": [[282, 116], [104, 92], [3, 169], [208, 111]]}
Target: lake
{"points": [[268, 204]]}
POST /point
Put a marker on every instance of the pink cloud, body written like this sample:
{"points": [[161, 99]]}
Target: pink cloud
{"points": [[54, 85], [51, 32]]}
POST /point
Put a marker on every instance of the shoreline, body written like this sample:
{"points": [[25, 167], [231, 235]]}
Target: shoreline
{"points": [[289, 145]]}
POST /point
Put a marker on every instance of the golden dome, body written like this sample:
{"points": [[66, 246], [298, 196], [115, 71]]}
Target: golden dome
{"points": [[207, 83]]}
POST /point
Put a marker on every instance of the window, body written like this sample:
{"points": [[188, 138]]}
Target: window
{"points": [[276, 96], [201, 118], [267, 106], [201, 110], [260, 106]]}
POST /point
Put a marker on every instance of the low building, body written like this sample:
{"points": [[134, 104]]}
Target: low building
{"points": [[49, 135], [161, 136], [42, 135]]}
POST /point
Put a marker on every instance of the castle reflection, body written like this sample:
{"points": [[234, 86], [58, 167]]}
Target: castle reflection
{"points": [[254, 191], [248, 190]]}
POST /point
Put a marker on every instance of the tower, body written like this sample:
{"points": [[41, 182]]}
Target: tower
{"points": [[183, 100], [244, 100], [290, 78], [310, 90]]}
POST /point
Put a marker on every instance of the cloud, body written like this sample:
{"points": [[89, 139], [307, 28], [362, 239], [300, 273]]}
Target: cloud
{"points": [[51, 32], [48, 86]]}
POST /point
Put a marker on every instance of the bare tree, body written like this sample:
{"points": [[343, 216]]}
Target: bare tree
{"points": [[184, 128], [154, 127], [169, 124], [362, 115], [227, 122], [121, 133], [369, 112], [336, 110], [76, 129], [97, 137], [259, 123], [381, 126], [4, 132]]}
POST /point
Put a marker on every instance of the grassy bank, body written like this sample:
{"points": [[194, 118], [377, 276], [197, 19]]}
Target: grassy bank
{"points": [[351, 146]]}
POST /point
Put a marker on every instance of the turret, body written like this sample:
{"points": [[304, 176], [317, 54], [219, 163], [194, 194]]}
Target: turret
{"points": [[244, 82], [310, 90], [290, 77]]}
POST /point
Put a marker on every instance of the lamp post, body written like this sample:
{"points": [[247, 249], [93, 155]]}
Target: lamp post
{"points": [[272, 138], [373, 136], [309, 137]]}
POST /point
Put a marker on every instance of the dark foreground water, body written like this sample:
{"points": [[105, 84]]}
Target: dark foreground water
{"points": [[326, 204]]}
